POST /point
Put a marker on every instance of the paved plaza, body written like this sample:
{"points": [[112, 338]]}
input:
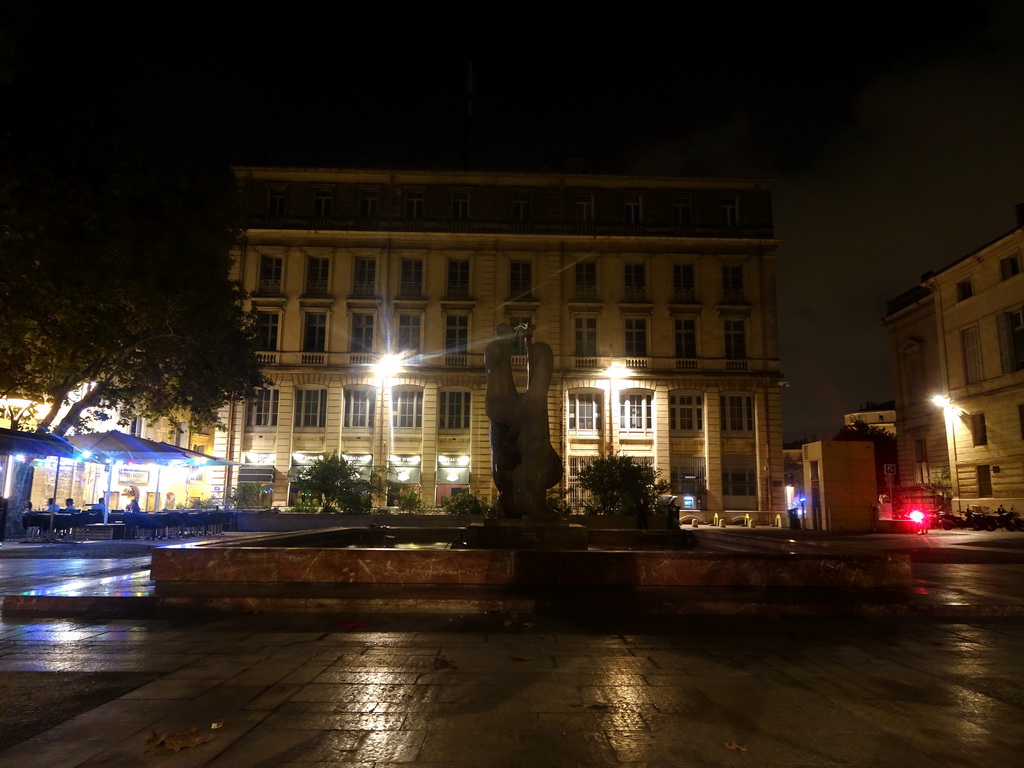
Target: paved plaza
{"points": [[500, 689]]}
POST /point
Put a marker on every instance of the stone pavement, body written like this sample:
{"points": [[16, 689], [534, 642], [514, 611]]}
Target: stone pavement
{"points": [[291, 691], [553, 688]]}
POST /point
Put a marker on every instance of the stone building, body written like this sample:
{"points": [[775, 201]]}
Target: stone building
{"points": [[957, 345], [376, 292]]}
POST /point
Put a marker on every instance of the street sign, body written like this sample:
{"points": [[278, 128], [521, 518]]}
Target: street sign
{"points": [[890, 469]]}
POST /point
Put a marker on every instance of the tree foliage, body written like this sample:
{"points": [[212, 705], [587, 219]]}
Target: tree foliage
{"points": [[336, 483], [617, 485], [114, 272]]}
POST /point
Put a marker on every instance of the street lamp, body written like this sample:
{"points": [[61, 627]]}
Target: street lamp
{"points": [[615, 372], [386, 369], [949, 411]]}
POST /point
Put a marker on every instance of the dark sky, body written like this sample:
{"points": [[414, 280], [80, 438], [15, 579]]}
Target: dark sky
{"points": [[896, 138]]}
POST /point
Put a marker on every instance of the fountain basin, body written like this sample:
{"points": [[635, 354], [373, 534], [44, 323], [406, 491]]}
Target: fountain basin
{"points": [[320, 558]]}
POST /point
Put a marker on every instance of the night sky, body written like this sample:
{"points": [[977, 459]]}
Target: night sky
{"points": [[896, 139]]}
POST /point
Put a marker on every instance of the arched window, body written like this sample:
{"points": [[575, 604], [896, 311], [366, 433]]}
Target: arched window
{"points": [[636, 411], [453, 410], [583, 412], [359, 407], [686, 412], [407, 408]]}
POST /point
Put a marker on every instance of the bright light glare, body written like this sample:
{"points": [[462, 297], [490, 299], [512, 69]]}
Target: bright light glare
{"points": [[917, 516], [941, 401], [388, 366]]}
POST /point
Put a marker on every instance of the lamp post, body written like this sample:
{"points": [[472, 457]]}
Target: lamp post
{"points": [[949, 411], [615, 372], [389, 366]]}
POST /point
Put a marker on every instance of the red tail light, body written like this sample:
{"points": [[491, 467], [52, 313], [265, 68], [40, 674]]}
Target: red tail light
{"points": [[917, 516]]}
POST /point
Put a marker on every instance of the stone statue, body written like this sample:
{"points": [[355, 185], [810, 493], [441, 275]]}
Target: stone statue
{"points": [[523, 462]]}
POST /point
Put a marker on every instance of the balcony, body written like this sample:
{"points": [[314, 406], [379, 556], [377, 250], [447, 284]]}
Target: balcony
{"points": [[266, 358], [364, 288], [586, 292], [456, 361], [411, 290], [272, 286], [636, 293]]}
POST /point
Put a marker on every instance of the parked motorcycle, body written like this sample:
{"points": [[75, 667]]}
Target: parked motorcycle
{"points": [[947, 521], [980, 522], [1009, 519]]}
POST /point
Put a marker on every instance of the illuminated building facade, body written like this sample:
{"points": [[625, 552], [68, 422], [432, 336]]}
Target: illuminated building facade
{"points": [[656, 294], [957, 346]]}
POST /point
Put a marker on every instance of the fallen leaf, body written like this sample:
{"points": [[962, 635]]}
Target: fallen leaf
{"points": [[529, 624], [215, 726], [734, 746], [176, 741], [519, 658], [440, 662]]}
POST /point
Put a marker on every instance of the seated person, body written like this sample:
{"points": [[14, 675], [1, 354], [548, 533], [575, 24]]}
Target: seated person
{"points": [[132, 507], [99, 506], [69, 506], [51, 507]]}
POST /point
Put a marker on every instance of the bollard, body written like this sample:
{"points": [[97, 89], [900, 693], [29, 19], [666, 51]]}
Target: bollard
{"points": [[751, 523], [721, 523]]}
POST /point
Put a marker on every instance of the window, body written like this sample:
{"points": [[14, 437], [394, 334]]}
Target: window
{"points": [[922, 472], [521, 207], [359, 408], [414, 204], [317, 280], [519, 341], [266, 331], [735, 339], [681, 211], [311, 408], [964, 290], [314, 332], [1011, 340], [322, 203], [263, 409], [366, 278], [407, 409], [458, 278], [270, 274], [411, 277], [585, 333], [685, 412], [970, 345], [732, 282], [586, 280], [984, 481], [737, 413], [584, 412], [739, 476], [684, 282], [730, 208], [275, 202], [408, 333], [636, 282], [1009, 267], [454, 410], [460, 206], [978, 430], [456, 334], [685, 337], [368, 204], [636, 336], [520, 279], [362, 333], [632, 212], [635, 412], [584, 208]]}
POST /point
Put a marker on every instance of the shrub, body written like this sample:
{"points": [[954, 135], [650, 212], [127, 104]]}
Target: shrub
{"points": [[465, 504]]}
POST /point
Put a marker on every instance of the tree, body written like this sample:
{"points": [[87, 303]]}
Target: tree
{"points": [[336, 483], [618, 484], [115, 286]]}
